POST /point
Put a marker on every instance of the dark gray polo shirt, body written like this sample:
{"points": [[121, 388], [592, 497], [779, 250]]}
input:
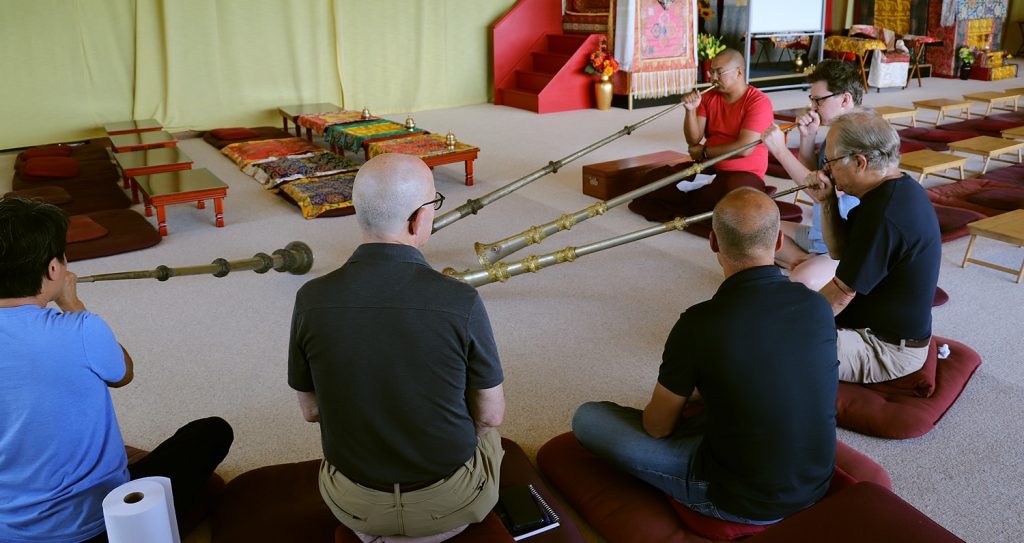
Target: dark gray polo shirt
{"points": [[391, 346]]}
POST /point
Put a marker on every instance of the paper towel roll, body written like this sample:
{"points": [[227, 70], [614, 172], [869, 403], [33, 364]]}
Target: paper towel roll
{"points": [[141, 511]]}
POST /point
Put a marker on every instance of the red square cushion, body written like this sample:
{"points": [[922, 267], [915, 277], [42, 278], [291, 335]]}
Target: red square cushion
{"points": [[983, 127], [1011, 175], [624, 509], [954, 218], [46, 150], [51, 167], [944, 136], [1005, 199], [82, 228], [910, 146], [957, 194], [237, 133], [873, 412], [46, 194]]}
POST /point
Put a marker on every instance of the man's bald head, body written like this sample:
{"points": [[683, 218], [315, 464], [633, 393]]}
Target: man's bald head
{"points": [[387, 189], [746, 225], [730, 57]]}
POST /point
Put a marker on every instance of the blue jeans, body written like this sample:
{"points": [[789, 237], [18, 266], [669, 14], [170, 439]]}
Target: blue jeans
{"points": [[616, 434]]}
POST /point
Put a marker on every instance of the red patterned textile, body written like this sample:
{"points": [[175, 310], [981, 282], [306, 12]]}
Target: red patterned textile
{"points": [[423, 146], [319, 122], [664, 60], [248, 152]]}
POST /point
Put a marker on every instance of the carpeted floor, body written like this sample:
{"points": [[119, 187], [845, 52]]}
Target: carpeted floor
{"points": [[593, 329]]}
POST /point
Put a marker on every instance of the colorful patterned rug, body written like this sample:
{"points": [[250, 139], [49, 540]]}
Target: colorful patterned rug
{"points": [[247, 152], [318, 195], [350, 137], [319, 122], [423, 146], [273, 173]]}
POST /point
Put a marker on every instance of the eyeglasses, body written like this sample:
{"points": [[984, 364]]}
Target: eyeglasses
{"points": [[817, 101], [436, 202], [826, 166], [717, 72]]}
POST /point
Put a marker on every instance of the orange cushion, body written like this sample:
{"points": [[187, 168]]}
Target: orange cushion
{"points": [[46, 194], [46, 150], [237, 133], [82, 228], [50, 167]]}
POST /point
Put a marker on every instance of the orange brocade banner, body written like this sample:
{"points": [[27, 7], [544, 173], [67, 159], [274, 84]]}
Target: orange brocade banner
{"points": [[664, 59]]}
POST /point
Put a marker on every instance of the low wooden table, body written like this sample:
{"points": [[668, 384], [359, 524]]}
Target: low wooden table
{"points": [[1014, 133], [137, 141], [927, 161], [990, 148], [892, 113], [431, 148], [1008, 228], [289, 113], [1018, 90], [181, 187], [992, 100], [148, 162], [132, 127], [943, 105]]}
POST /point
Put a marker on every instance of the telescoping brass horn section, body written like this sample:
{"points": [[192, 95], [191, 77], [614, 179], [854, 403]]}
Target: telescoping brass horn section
{"points": [[296, 258], [472, 206], [502, 272], [489, 253]]}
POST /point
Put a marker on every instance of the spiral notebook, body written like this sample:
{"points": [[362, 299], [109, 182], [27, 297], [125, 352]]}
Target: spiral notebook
{"points": [[524, 512]]}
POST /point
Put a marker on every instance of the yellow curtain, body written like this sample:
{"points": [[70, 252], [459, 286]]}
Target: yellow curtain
{"points": [[72, 65], [67, 68]]}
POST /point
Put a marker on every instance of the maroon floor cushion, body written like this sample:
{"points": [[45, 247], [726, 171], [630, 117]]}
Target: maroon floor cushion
{"points": [[78, 198], [624, 509], [936, 139], [1011, 175], [189, 520], [940, 297], [283, 503], [87, 172], [953, 221], [911, 405], [862, 512], [775, 168], [983, 127], [260, 133], [125, 231], [94, 149], [964, 194]]}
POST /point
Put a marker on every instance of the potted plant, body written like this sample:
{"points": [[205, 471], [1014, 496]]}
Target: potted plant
{"points": [[603, 65], [708, 47], [966, 61]]}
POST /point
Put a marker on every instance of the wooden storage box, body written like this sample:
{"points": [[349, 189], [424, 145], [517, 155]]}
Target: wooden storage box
{"points": [[606, 180]]}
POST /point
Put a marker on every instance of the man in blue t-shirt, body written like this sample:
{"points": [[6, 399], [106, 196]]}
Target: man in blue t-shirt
{"points": [[61, 449], [836, 88], [889, 251], [762, 355]]}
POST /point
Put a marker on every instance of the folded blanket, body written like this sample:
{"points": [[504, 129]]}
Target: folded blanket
{"points": [[351, 136], [272, 173], [247, 152], [423, 146], [319, 122], [317, 195]]}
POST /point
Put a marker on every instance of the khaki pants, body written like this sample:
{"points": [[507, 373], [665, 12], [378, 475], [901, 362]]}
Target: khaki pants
{"points": [[463, 498], [863, 358]]}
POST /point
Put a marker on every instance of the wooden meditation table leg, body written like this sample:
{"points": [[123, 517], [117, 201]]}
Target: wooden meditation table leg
{"points": [[970, 247], [218, 206], [161, 219], [201, 204], [469, 173]]}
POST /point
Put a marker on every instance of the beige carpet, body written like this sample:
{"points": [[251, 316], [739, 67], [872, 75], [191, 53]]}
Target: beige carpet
{"points": [[589, 330]]}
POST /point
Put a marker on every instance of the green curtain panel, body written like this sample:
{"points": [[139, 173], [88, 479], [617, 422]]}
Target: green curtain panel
{"points": [[68, 67], [72, 65]]}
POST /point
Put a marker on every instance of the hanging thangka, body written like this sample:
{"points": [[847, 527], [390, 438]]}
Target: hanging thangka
{"points": [[656, 38]]}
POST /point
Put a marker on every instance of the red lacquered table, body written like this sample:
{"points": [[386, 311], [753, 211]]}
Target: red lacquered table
{"points": [[150, 161], [181, 187], [142, 140]]}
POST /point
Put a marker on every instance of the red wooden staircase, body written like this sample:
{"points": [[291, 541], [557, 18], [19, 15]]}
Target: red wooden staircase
{"points": [[536, 66]]}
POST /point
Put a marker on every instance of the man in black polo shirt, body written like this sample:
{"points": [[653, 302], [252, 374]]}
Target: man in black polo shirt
{"points": [[762, 353], [398, 365], [889, 251]]}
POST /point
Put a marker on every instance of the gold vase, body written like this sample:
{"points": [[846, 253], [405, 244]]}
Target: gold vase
{"points": [[603, 92]]}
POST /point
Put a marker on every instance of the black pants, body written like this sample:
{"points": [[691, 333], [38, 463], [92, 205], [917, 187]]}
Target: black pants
{"points": [[187, 458]]}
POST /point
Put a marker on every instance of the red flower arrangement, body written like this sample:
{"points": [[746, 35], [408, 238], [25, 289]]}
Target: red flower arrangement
{"points": [[601, 63]]}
